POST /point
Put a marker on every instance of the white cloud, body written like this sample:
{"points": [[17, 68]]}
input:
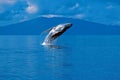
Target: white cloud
{"points": [[32, 8], [79, 16], [75, 6], [9, 2], [5, 4], [109, 7], [51, 16], [116, 23]]}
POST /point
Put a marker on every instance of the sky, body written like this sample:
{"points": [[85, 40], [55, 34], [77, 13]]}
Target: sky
{"points": [[100, 11]]}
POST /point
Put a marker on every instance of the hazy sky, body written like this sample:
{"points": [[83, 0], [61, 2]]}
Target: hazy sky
{"points": [[100, 11]]}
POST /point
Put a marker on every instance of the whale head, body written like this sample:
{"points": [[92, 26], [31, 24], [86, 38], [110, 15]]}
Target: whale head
{"points": [[56, 32]]}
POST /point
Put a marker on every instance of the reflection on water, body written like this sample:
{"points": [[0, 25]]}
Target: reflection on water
{"points": [[52, 47], [58, 63]]}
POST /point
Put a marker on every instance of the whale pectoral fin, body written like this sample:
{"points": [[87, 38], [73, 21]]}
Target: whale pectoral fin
{"points": [[48, 30]]}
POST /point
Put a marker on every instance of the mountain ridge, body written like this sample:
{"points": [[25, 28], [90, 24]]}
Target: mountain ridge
{"points": [[81, 27]]}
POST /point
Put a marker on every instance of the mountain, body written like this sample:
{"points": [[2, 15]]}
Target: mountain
{"points": [[38, 25]]}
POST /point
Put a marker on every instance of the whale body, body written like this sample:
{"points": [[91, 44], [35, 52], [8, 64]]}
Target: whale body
{"points": [[55, 32]]}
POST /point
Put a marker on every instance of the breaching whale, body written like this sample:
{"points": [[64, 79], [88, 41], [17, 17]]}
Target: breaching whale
{"points": [[55, 32]]}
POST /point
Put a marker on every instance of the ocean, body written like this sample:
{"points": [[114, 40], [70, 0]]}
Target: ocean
{"points": [[73, 57]]}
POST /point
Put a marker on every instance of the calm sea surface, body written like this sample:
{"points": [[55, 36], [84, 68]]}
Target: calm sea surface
{"points": [[72, 58]]}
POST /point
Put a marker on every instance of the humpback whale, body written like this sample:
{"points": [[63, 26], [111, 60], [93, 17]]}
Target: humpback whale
{"points": [[55, 32]]}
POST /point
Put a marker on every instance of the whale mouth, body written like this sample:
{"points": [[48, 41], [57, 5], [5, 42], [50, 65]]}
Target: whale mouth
{"points": [[69, 25]]}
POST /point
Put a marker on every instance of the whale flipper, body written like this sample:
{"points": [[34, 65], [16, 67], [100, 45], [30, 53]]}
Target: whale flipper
{"points": [[46, 31]]}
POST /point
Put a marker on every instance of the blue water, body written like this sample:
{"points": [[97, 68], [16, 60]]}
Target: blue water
{"points": [[73, 58]]}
